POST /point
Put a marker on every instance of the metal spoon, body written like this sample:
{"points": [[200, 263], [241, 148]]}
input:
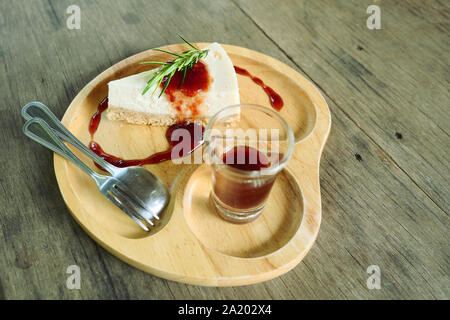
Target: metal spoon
{"points": [[147, 193]]}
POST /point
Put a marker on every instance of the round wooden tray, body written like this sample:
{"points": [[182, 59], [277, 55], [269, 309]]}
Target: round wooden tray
{"points": [[191, 244]]}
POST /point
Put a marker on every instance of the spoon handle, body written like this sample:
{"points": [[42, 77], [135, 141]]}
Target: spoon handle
{"points": [[39, 131], [37, 109]]}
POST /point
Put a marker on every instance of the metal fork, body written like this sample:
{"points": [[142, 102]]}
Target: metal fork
{"points": [[142, 187], [144, 200]]}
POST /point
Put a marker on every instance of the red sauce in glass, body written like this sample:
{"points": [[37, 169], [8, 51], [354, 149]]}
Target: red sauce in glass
{"points": [[246, 158], [275, 99], [185, 147], [244, 193]]}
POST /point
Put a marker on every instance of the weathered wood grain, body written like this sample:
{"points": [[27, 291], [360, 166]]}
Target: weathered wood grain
{"points": [[385, 200]]}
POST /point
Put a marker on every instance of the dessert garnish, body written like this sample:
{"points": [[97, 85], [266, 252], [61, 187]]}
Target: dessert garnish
{"points": [[183, 61]]}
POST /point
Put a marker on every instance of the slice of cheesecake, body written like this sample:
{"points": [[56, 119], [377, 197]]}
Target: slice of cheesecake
{"points": [[209, 86]]}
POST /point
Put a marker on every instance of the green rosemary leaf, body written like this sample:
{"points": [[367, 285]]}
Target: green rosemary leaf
{"points": [[184, 76], [145, 74], [169, 52], [152, 62], [188, 42], [169, 77], [184, 61]]}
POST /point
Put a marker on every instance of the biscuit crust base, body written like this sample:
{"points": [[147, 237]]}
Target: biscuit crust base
{"points": [[114, 113]]}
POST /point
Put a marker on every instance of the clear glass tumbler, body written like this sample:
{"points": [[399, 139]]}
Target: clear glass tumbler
{"points": [[247, 146]]}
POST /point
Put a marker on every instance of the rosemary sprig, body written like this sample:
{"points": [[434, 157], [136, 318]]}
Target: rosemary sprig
{"points": [[183, 61]]}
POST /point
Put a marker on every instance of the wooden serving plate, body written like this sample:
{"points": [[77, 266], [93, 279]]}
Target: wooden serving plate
{"points": [[191, 243]]}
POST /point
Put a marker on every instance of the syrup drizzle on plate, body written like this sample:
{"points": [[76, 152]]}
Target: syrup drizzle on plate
{"points": [[184, 148], [275, 99]]}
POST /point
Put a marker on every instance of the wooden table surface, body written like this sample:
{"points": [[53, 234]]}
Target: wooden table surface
{"points": [[384, 171]]}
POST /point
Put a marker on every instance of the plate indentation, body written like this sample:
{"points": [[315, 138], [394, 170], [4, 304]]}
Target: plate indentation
{"points": [[270, 232]]}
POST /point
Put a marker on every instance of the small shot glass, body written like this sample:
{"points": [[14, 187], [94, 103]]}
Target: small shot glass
{"points": [[247, 146]]}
